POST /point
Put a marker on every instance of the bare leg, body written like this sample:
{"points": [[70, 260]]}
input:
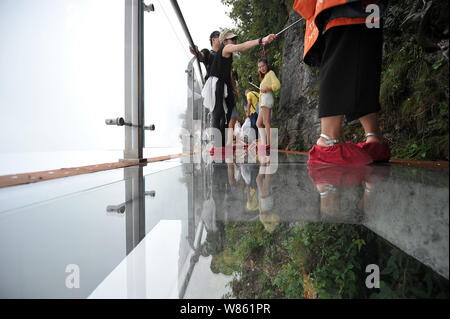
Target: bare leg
{"points": [[370, 124], [331, 126], [259, 125], [230, 131], [266, 120]]}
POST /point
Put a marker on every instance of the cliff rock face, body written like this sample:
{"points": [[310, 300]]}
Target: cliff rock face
{"points": [[298, 121]]}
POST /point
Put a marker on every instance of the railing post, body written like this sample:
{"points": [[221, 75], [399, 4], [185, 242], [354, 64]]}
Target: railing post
{"points": [[134, 81]]}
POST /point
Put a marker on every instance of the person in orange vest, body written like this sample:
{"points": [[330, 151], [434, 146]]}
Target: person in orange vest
{"points": [[344, 38]]}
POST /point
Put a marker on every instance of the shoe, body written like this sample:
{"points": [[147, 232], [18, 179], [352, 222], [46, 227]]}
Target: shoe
{"points": [[347, 154], [220, 153], [379, 152]]}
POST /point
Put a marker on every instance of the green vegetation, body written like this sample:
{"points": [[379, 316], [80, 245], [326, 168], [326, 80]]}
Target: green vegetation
{"points": [[333, 258]]}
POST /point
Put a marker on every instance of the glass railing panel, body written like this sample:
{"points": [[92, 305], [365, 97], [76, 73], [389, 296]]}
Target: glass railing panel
{"points": [[39, 243], [60, 80]]}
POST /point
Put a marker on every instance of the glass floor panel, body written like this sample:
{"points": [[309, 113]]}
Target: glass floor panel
{"points": [[179, 230]]}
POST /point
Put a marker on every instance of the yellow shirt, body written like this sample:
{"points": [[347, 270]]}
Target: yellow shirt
{"points": [[270, 80], [253, 97]]}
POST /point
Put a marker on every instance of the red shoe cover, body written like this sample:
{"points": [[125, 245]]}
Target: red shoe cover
{"points": [[219, 153], [339, 176], [379, 152], [347, 154], [216, 150]]}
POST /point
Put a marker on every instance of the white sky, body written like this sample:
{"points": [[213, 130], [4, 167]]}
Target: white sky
{"points": [[61, 71]]}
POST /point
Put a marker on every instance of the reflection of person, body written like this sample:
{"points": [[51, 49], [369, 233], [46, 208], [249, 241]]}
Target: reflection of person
{"points": [[214, 215], [233, 174], [249, 173], [269, 84], [330, 203], [218, 90], [370, 184], [339, 189], [348, 54], [269, 219]]}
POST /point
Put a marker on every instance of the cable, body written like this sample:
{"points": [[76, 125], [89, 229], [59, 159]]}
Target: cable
{"points": [[289, 26]]}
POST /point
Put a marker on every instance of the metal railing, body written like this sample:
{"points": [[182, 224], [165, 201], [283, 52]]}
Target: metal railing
{"points": [[179, 14]]}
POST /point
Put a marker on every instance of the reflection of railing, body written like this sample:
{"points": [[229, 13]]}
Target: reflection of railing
{"points": [[199, 118], [195, 101]]}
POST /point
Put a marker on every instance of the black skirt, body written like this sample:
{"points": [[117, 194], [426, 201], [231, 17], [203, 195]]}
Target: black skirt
{"points": [[350, 71]]}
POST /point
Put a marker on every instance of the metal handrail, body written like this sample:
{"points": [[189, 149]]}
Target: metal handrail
{"points": [[179, 14]]}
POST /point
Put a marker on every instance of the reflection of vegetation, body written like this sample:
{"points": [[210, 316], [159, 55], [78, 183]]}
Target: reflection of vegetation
{"points": [[403, 277], [319, 260]]}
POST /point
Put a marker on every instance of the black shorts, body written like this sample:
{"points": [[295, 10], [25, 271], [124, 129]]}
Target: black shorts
{"points": [[350, 71]]}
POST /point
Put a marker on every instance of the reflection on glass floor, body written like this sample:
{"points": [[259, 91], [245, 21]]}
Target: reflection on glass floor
{"points": [[229, 230]]}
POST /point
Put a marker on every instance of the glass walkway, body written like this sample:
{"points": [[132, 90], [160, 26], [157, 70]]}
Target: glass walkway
{"points": [[172, 229]]}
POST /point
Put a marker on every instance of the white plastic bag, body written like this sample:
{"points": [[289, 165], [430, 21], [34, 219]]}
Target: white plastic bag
{"points": [[209, 94], [246, 126], [237, 129], [247, 130]]}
